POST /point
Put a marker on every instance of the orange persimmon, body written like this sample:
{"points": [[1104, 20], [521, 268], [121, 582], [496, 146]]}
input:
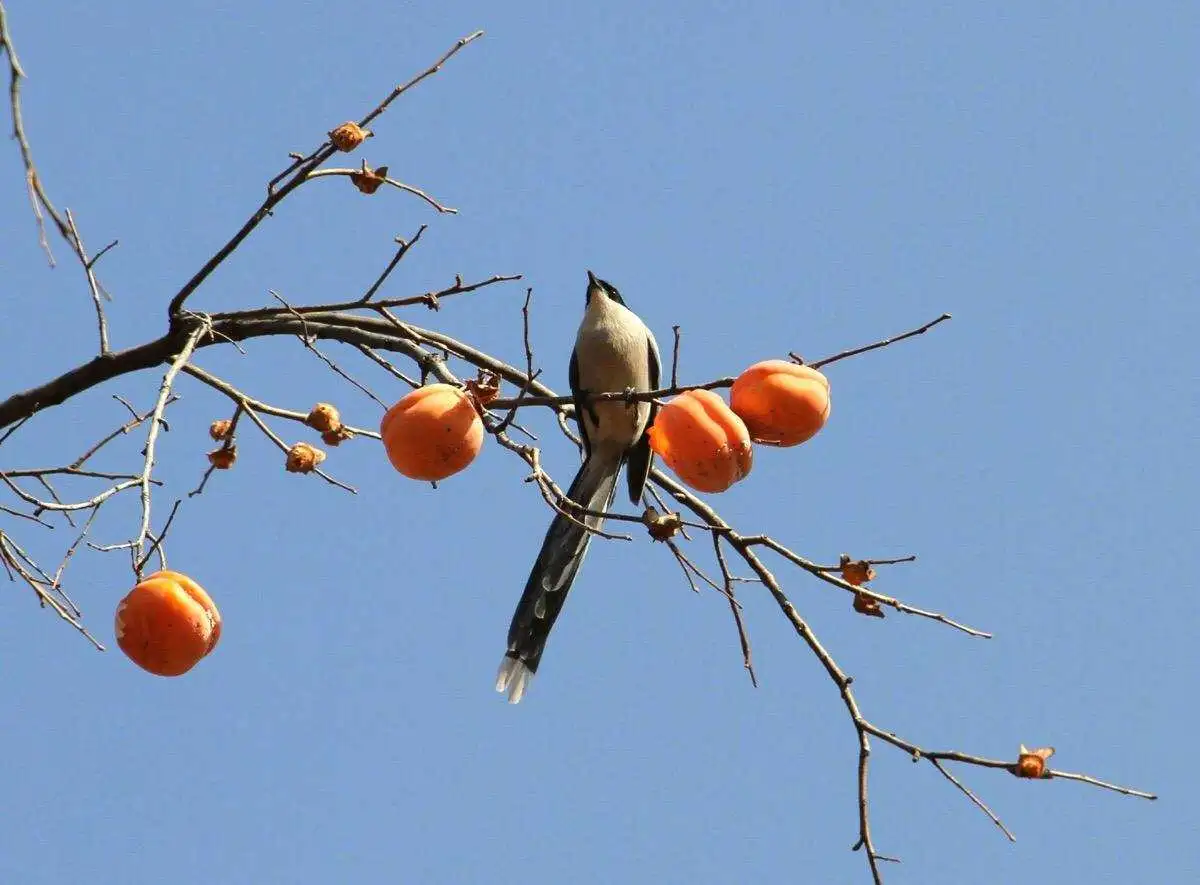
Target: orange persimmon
{"points": [[432, 433], [167, 623], [782, 403], [702, 440]]}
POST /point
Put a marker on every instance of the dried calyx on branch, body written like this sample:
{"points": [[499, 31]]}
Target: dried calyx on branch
{"points": [[303, 458], [368, 180], [348, 136], [324, 418], [437, 430], [223, 458], [661, 526], [1032, 763], [219, 430]]}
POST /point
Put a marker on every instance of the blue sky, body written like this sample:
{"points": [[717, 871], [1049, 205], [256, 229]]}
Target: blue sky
{"points": [[770, 178]]}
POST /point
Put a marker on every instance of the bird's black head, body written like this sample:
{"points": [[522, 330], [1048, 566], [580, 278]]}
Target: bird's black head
{"points": [[603, 288]]}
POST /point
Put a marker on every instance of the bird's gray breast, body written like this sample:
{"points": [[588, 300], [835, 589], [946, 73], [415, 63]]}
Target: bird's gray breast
{"points": [[612, 355]]}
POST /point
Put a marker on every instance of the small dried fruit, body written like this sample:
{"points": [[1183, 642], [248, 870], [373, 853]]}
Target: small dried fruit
{"points": [[1032, 763], [866, 605], [485, 388], [223, 457], [661, 526], [219, 430], [337, 437], [367, 179], [323, 418], [303, 458], [856, 572], [348, 136]]}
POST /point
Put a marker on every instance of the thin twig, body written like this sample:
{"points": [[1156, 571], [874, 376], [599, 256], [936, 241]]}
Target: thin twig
{"points": [[33, 183], [120, 431], [405, 245], [407, 188], [530, 375], [937, 763], [17, 425], [65, 508], [675, 357], [372, 355], [93, 285], [249, 402], [12, 555], [640, 396], [62, 566], [164, 393], [298, 173], [31, 517], [826, 575], [428, 72], [158, 542], [743, 636], [309, 342], [878, 344], [1095, 782]]}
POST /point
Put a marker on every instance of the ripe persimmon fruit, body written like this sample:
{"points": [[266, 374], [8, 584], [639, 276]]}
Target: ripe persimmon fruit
{"points": [[782, 403], [702, 441], [167, 623], [432, 433]]}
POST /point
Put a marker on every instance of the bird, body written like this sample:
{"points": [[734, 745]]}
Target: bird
{"points": [[614, 351]]}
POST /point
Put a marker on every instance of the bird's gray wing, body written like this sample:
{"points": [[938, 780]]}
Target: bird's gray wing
{"points": [[578, 394], [641, 457]]}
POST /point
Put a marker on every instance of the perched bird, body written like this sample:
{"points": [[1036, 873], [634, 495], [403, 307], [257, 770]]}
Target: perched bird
{"points": [[614, 351]]}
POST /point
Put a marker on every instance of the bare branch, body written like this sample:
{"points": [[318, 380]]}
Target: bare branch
{"points": [[37, 194], [428, 72], [407, 188], [309, 340], [405, 245], [164, 393], [743, 636], [825, 574], [250, 402], [878, 344], [16, 561], [979, 803], [158, 542], [299, 172], [93, 285], [252, 407], [675, 357]]}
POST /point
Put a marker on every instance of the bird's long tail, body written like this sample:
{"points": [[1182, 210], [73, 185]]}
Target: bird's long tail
{"points": [[553, 572]]}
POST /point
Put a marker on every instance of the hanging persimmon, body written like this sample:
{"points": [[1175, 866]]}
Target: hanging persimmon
{"points": [[782, 403], [167, 623], [702, 441], [432, 433]]}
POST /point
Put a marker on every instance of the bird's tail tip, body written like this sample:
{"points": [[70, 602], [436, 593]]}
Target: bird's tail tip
{"points": [[513, 677]]}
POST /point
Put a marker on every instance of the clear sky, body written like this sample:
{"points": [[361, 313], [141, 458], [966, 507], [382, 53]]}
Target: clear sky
{"points": [[772, 176]]}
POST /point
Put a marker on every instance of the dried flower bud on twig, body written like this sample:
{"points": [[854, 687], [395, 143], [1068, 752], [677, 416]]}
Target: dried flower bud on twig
{"points": [[367, 179], [303, 458], [1032, 763], [324, 418], [223, 458], [348, 136], [337, 437], [219, 430]]}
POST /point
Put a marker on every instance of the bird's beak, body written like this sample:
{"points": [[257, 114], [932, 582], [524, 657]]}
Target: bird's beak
{"points": [[592, 281]]}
